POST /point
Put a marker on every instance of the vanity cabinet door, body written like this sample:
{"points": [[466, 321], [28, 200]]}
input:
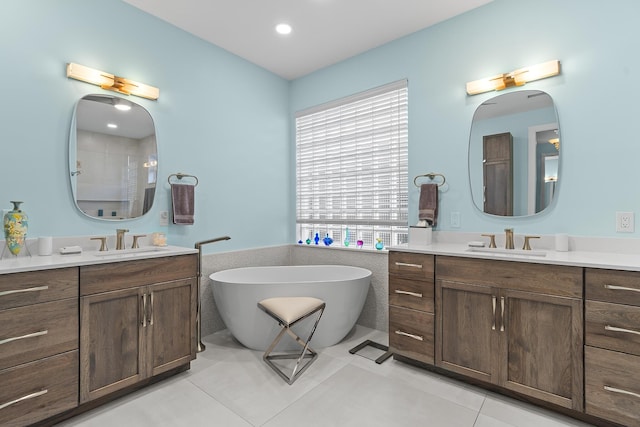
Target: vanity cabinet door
{"points": [[542, 347], [516, 325], [111, 342], [172, 314], [466, 329]]}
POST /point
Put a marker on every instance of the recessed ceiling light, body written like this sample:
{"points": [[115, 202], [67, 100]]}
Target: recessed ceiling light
{"points": [[112, 125], [283, 29]]}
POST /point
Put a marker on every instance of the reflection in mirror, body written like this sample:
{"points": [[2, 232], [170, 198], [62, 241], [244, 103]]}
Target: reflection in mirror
{"points": [[113, 158], [514, 153]]}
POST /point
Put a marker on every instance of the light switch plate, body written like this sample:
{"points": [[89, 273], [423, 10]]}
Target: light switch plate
{"points": [[164, 218]]}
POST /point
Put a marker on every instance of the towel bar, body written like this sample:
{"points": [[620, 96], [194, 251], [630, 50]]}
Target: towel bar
{"points": [[180, 175], [431, 176]]}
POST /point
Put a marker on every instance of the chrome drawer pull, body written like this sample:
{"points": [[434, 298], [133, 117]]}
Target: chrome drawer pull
{"points": [[413, 294], [405, 334], [17, 291], [617, 390], [35, 334], [20, 399], [620, 288], [615, 329], [406, 264]]}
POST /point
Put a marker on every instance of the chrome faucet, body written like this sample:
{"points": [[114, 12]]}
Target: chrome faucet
{"points": [[508, 244], [120, 238]]}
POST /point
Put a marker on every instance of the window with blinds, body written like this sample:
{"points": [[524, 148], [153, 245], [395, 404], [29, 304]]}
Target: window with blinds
{"points": [[351, 168]]}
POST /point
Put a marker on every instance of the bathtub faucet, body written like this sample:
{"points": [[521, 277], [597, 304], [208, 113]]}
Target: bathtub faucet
{"points": [[198, 246]]}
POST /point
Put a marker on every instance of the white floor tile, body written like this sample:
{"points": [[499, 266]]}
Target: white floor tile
{"points": [[521, 414], [229, 385], [172, 403], [358, 397]]}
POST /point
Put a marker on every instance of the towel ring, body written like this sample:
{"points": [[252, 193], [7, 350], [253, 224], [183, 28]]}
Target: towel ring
{"points": [[180, 175], [431, 176]]}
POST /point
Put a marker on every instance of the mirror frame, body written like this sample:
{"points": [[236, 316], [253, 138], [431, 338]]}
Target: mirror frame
{"points": [[540, 121], [128, 131]]}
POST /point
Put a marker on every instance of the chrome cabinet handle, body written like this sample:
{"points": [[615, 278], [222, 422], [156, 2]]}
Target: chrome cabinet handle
{"points": [[501, 314], [406, 264], [16, 291], [20, 399], [620, 391], [493, 302], [620, 288], [143, 310], [413, 294], [35, 334], [615, 329], [406, 334], [150, 319]]}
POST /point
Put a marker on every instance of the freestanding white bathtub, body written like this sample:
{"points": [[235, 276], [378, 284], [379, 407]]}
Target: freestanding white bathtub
{"points": [[238, 291]]}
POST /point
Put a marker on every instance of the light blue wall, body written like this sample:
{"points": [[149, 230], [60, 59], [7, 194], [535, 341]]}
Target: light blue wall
{"points": [[596, 98], [218, 117], [229, 122]]}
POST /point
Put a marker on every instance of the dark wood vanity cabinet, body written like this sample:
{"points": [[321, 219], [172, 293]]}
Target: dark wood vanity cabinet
{"points": [[512, 324], [38, 345], [137, 320], [411, 306], [612, 345]]}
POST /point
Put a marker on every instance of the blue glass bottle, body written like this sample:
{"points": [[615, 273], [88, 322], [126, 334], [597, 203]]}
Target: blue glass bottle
{"points": [[316, 239], [327, 240]]}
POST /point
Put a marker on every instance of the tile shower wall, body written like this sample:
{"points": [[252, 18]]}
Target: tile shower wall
{"points": [[374, 314]]}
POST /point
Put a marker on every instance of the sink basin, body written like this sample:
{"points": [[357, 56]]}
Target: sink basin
{"points": [[129, 252], [512, 252]]}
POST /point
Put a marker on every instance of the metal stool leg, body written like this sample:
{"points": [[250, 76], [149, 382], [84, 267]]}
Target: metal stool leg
{"points": [[307, 351]]}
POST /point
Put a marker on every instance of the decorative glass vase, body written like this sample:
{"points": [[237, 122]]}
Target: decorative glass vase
{"points": [[16, 224]]}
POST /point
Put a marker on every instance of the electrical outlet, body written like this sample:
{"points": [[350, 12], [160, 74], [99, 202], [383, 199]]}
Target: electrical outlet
{"points": [[455, 219], [624, 222]]}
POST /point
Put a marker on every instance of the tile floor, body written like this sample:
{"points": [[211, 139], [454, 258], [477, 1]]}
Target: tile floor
{"points": [[229, 385]]}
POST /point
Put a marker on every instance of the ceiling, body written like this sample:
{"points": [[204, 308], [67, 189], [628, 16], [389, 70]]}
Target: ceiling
{"points": [[324, 31]]}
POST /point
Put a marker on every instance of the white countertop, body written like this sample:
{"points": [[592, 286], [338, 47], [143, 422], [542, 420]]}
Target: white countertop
{"points": [[12, 264], [593, 259]]}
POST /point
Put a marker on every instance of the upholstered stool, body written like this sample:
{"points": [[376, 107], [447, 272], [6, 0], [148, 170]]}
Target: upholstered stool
{"points": [[288, 311]]}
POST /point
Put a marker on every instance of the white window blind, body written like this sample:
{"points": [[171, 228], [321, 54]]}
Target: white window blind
{"points": [[351, 168]]}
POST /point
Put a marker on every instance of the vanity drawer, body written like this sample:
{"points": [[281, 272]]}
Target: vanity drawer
{"points": [[613, 326], [123, 275], [20, 289], [408, 265], [612, 381], [414, 294], [41, 330], [411, 334], [38, 390], [558, 280], [622, 287]]}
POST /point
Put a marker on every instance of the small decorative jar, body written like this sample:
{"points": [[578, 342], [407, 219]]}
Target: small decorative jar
{"points": [[379, 244], [16, 224], [327, 240]]}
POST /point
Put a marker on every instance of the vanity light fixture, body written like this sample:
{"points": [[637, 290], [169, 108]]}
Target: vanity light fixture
{"points": [[111, 82], [515, 78]]}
